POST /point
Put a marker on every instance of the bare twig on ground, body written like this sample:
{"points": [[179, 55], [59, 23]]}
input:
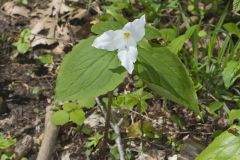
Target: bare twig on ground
{"points": [[50, 136]]}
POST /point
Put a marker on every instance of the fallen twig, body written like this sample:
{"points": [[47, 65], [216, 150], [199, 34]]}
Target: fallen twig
{"points": [[50, 136]]}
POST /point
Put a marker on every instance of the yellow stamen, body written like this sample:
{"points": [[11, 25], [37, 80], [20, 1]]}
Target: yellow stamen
{"points": [[126, 35]]}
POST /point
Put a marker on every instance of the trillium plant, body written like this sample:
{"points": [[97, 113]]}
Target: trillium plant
{"points": [[96, 66], [124, 41], [99, 64]]}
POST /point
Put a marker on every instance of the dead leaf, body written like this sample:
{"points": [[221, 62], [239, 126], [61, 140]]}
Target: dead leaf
{"points": [[94, 120], [79, 14], [58, 7], [65, 155], [47, 24], [12, 9], [174, 157], [136, 129], [152, 154]]}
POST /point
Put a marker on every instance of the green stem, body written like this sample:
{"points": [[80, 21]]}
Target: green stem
{"points": [[108, 117]]}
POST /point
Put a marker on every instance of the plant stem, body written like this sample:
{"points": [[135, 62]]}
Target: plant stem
{"points": [[108, 117], [116, 129]]}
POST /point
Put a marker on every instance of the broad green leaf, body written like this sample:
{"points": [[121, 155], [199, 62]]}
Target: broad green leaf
{"points": [[152, 32], [225, 146], [231, 73], [168, 34], [101, 27], [177, 44], [77, 116], [70, 106], [88, 102], [60, 117], [88, 72], [164, 73], [234, 114], [232, 28]]}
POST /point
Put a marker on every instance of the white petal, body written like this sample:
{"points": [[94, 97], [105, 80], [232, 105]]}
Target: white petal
{"points": [[128, 57], [110, 40], [136, 28]]}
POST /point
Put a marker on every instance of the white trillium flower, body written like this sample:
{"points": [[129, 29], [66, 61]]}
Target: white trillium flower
{"points": [[125, 41]]}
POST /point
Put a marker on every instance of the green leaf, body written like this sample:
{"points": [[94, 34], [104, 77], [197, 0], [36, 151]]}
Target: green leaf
{"points": [[231, 73], [88, 72], [77, 116], [60, 117], [213, 107], [94, 140], [125, 101], [130, 100], [70, 106], [22, 47], [6, 142], [23, 43], [202, 33], [234, 114], [152, 32], [167, 34], [232, 28], [177, 44], [117, 16], [46, 59], [101, 27], [88, 102], [190, 31], [225, 146], [164, 73], [236, 6]]}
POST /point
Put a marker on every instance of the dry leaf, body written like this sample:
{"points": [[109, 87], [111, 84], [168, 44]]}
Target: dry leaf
{"points": [[94, 120], [152, 154], [174, 157], [48, 24], [79, 14], [65, 155], [12, 9], [58, 7]]}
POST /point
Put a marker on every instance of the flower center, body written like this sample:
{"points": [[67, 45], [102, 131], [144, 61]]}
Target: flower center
{"points": [[126, 35]]}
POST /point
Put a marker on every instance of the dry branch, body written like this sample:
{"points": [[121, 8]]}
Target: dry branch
{"points": [[50, 136]]}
